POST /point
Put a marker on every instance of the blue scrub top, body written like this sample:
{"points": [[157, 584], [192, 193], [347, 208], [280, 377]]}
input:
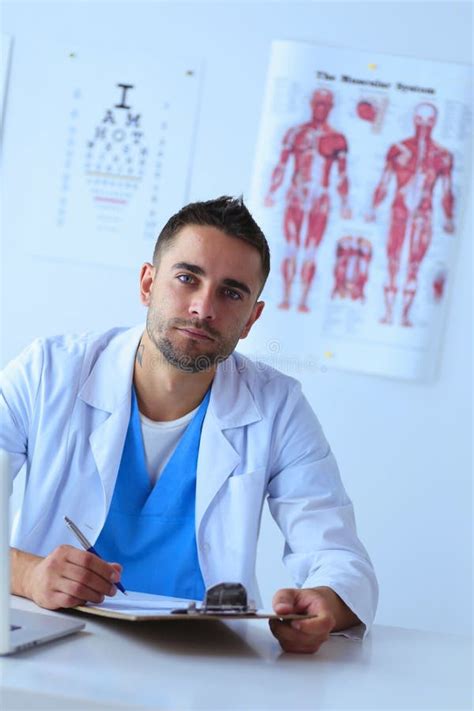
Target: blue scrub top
{"points": [[149, 529]]}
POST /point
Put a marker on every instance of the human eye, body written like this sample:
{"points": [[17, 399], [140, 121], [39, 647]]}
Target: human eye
{"points": [[233, 295], [185, 278]]}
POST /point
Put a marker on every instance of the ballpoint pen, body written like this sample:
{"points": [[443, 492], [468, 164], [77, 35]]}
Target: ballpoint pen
{"points": [[88, 546]]}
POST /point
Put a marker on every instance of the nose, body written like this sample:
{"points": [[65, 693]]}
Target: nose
{"points": [[202, 306]]}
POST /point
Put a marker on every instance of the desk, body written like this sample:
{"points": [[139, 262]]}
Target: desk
{"points": [[234, 665]]}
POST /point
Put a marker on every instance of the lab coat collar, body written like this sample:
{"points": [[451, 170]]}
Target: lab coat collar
{"points": [[108, 384], [110, 379], [231, 405]]}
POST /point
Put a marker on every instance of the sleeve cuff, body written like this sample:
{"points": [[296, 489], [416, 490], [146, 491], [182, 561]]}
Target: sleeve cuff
{"points": [[359, 607], [356, 633]]}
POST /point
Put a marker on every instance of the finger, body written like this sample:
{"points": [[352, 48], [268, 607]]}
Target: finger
{"points": [[53, 600], [284, 601], [91, 562], [287, 633], [90, 580], [64, 600], [299, 648], [118, 572], [293, 641], [320, 625], [74, 589]]}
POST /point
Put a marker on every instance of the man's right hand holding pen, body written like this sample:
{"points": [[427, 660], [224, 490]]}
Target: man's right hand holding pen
{"points": [[67, 577]]}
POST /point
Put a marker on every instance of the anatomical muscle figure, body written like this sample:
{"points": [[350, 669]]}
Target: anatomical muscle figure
{"points": [[417, 163], [351, 270], [315, 148]]}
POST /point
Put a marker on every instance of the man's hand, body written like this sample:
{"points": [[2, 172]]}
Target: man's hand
{"points": [[65, 578], [306, 636]]}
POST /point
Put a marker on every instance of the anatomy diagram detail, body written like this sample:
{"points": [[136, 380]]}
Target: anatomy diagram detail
{"points": [[315, 148], [416, 163]]}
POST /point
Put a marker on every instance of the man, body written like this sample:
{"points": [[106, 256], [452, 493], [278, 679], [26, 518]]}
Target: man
{"points": [[161, 444]]}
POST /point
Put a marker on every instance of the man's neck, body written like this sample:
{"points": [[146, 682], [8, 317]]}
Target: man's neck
{"points": [[164, 392]]}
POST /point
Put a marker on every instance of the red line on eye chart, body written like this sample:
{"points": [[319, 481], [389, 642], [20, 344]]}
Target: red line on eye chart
{"points": [[113, 175], [113, 200]]}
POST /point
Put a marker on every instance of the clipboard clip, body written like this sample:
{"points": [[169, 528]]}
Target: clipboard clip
{"points": [[222, 599]]}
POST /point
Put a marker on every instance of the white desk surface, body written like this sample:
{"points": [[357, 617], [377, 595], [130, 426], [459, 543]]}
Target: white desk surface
{"points": [[236, 665]]}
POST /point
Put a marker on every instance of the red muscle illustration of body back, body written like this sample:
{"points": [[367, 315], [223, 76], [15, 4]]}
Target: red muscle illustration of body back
{"points": [[315, 148], [417, 163]]}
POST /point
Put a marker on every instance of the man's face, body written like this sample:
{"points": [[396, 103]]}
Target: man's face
{"points": [[201, 297]]}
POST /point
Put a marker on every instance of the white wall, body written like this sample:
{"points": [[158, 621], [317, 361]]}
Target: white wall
{"points": [[404, 449]]}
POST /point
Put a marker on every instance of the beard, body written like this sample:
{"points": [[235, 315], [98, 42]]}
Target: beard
{"points": [[189, 358]]}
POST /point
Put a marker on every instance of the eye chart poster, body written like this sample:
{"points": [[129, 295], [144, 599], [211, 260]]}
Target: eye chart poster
{"points": [[115, 144], [359, 176]]}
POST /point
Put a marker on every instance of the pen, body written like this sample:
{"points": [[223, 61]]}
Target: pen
{"points": [[88, 546]]}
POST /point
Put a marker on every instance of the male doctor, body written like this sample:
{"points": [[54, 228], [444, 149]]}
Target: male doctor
{"points": [[162, 443]]}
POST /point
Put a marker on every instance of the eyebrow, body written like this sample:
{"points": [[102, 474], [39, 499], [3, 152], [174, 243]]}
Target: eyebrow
{"points": [[199, 271]]}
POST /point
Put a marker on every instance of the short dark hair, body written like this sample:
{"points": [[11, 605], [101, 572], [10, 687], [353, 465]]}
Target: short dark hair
{"points": [[227, 214]]}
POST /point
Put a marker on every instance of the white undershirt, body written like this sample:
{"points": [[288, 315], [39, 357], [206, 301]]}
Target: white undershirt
{"points": [[160, 440]]}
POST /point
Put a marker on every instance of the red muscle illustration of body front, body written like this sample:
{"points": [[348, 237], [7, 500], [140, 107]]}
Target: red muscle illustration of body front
{"points": [[315, 147]]}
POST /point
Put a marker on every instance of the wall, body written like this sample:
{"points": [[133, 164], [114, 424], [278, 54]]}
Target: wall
{"points": [[403, 448]]}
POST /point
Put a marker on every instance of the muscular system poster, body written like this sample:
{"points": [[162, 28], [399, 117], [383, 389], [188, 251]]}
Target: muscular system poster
{"points": [[358, 185]]}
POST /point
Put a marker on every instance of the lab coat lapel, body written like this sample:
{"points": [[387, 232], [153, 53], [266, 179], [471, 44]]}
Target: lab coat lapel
{"points": [[108, 389], [231, 405]]}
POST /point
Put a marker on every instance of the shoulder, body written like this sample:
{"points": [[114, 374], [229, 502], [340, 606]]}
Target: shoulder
{"points": [[443, 159], [77, 344], [59, 354], [402, 147], [339, 141], [290, 136], [263, 380], [284, 410]]}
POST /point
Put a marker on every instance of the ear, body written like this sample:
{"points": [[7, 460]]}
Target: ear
{"points": [[147, 276], [256, 313]]}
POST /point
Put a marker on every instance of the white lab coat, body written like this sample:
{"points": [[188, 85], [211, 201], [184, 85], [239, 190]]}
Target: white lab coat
{"points": [[65, 407]]}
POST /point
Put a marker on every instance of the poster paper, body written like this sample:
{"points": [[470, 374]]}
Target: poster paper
{"points": [[359, 177], [116, 140]]}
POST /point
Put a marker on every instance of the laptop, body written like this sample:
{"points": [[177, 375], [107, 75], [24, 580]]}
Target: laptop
{"points": [[20, 629]]}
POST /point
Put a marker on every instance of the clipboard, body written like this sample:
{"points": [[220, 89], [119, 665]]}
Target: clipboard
{"points": [[223, 601]]}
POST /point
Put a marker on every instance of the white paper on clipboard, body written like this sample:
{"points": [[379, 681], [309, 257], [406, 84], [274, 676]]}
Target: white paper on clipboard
{"points": [[137, 606]]}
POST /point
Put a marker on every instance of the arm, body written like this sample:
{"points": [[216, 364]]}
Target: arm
{"points": [[279, 170], [448, 197], [331, 569], [381, 189], [343, 183], [67, 576]]}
